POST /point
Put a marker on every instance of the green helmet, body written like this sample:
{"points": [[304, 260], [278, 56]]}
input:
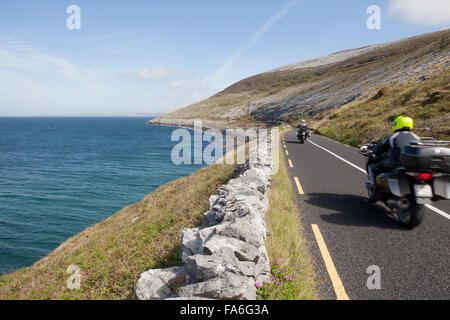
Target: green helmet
{"points": [[402, 123]]}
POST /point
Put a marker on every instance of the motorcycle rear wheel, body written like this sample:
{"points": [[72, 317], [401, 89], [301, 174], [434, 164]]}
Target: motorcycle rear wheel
{"points": [[412, 217]]}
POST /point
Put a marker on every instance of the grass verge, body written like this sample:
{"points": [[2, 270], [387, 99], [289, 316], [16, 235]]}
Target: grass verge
{"points": [[293, 274], [112, 254]]}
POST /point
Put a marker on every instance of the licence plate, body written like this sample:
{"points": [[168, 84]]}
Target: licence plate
{"points": [[423, 190]]}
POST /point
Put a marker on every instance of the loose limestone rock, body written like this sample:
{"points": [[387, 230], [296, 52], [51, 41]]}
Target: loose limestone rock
{"points": [[244, 229], [229, 286], [242, 250], [159, 284], [205, 267]]}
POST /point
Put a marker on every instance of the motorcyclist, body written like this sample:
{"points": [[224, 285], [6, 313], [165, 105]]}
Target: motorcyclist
{"points": [[393, 145], [302, 127]]}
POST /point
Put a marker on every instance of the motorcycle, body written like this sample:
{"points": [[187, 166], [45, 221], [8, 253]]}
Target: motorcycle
{"points": [[302, 135], [423, 177]]}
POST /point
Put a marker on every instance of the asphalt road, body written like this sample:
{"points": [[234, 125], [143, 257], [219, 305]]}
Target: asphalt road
{"points": [[413, 264]]}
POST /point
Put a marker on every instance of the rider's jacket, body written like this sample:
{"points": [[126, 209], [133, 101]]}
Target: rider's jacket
{"points": [[302, 127], [394, 144]]}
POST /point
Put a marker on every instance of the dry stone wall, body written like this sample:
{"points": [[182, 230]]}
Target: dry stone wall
{"points": [[226, 256]]}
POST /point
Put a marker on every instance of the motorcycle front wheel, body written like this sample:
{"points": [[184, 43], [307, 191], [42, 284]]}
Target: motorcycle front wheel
{"points": [[372, 196], [413, 216]]}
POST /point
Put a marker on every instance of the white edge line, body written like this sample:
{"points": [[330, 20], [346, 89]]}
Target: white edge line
{"points": [[429, 206], [340, 158], [439, 211]]}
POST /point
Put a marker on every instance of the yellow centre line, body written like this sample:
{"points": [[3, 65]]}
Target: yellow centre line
{"points": [[335, 280], [290, 163], [287, 152], [299, 186]]}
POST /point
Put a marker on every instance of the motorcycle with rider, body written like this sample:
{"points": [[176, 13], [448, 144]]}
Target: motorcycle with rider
{"points": [[303, 132], [407, 172]]}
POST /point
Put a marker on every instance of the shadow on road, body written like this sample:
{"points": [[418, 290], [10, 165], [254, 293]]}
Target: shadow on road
{"points": [[293, 141], [353, 210]]}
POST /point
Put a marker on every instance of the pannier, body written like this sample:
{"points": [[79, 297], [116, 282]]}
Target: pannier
{"points": [[427, 156]]}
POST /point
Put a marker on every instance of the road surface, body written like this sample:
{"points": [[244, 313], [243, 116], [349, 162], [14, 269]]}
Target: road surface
{"points": [[353, 241]]}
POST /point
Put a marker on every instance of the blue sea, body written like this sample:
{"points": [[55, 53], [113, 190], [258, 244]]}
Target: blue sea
{"points": [[61, 175]]}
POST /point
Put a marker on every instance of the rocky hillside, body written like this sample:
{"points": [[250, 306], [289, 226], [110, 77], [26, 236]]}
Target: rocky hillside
{"points": [[310, 88], [427, 101]]}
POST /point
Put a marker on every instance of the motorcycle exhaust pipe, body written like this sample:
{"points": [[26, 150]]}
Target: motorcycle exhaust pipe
{"points": [[402, 203]]}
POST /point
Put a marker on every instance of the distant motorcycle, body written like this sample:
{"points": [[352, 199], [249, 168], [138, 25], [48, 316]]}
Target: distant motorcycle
{"points": [[423, 177], [302, 135]]}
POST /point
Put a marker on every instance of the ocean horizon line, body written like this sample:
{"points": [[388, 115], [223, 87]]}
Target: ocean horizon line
{"points": [[154, 115]]}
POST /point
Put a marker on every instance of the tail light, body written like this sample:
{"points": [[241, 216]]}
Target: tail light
{"points": [[423, 176]]}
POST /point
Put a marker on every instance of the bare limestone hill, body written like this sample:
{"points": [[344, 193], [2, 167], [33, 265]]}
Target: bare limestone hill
{"points": [[308, 88]]}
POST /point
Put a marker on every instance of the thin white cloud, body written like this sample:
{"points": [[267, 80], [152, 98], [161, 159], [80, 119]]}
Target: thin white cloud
{"points": [[154, 73], [189, 83], [46, 66], [190, 89], [18, 55], [99, 37], [119, 41], [193, 88], [10, 43], [35, 82], [254, 38], [423, 12]]}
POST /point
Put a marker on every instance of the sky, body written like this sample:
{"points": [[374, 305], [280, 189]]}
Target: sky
{"points": [[141, 57]]}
